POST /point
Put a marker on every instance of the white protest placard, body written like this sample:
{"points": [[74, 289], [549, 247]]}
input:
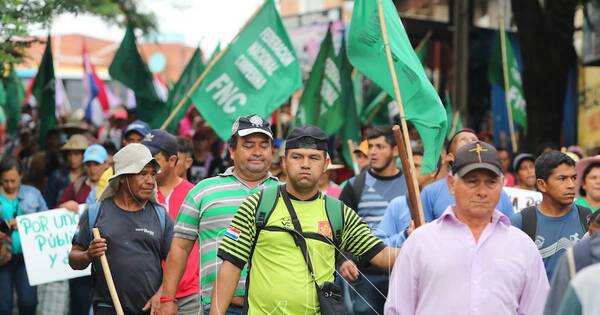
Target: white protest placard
{"points": [[522, 198], [46, 241]]}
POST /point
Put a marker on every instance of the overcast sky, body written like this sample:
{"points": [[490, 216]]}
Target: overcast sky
{"points": [[192, 21]]}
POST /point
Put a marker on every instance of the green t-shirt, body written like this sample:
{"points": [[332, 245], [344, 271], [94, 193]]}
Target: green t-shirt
{"points": [[10, 209], [278, 280], [582, 202]]}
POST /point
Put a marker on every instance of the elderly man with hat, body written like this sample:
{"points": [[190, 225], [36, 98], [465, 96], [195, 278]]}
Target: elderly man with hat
{"points": [[288, 236], [209, 208], [136, 235], [470, 260]]}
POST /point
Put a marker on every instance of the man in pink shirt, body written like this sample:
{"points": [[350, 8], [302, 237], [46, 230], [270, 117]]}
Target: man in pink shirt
{"points": [[470, 260], [172, 190]]}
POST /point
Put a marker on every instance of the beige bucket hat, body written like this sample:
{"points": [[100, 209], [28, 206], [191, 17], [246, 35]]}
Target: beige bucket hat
{"points": [[76, 143], [129, 160]]}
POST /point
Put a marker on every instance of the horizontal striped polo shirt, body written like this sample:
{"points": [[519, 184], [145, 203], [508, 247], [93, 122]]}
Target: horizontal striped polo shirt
{"points": [[279, 281], [206, 213]]}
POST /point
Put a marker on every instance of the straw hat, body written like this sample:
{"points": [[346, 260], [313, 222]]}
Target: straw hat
{"points": [[129, 160], [77, 142]]}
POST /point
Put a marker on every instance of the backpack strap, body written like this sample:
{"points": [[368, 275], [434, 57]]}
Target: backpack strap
{"points": [[93, 211], [334, 210], [266, 204], [584, 213], [357, 188], [529, 221], [161, 213]]}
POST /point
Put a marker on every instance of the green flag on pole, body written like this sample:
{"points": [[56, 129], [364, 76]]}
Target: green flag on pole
{"points": [[14, 97], [321, 103], [255, 75], [129, 68], [366, 50], [192, 71], [44, 91], [515, 95], [351, 128]]}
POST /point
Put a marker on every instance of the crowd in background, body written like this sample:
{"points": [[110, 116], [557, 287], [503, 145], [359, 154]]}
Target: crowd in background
{"points": [[73, 165]]}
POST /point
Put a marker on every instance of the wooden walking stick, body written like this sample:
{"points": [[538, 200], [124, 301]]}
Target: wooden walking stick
{"points": [[109, 280]]}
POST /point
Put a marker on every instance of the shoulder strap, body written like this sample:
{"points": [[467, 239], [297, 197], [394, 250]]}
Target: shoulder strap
{"points": [[266, 204], [357, 188], [93, 210], [529, 224], [161, 213], [583, 216], [297, 232], [335, 215]]}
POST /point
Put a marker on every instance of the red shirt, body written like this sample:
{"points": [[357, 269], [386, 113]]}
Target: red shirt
{"points": [[79, 196], [189, 283]]}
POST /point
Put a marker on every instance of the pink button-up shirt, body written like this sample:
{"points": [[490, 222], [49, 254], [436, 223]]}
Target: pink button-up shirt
{"points": [[443, 270]]}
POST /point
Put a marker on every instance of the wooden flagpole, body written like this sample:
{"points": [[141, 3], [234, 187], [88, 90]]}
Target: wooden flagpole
{"points": [[403, 141], [109, 280], [354, 162], [511, 123], [206, 71]]}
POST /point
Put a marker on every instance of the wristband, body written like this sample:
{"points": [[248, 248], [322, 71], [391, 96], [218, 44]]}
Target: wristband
{"points": [[164, 299]]}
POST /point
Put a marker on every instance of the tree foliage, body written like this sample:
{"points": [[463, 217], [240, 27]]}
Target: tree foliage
{"points": [[18, 16]]}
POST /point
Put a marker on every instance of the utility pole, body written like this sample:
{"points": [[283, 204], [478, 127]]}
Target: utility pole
{"points": [[461, 22]]}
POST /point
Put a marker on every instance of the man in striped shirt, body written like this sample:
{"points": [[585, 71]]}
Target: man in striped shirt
{"points": [[210, 206], [279, 281], [369, 193]]}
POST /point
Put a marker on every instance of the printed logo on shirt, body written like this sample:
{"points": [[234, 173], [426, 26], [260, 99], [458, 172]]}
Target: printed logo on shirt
{"points": [[151, 233], [233, 233], [286, 223], [325, 229]]}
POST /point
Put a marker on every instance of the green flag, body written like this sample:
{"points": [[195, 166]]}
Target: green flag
{"points": [[129, 68], [351, 128], [320, 103], [376, 112], [453, 118], [14, 97], [44, 91], [515, 96], [215, 52], [422, 50], [256, 75], [192, 71], [366, 50]]}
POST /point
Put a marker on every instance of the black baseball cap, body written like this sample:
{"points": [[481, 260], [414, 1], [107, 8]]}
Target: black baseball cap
{"points": [[158, 140], [476, 155], [247, 125], [306, 137]]}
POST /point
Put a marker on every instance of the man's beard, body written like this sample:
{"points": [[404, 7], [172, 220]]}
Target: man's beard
{"points": [[386, 165]]}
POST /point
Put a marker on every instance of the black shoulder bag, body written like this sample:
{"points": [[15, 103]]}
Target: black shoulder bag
{"points": [[330, 296]]}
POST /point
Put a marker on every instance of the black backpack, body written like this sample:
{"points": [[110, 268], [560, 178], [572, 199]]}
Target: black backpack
{"points": [[529, 217]]}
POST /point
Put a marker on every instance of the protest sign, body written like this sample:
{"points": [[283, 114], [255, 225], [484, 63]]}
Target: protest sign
{"points": [[522, 198], [46, 240]]}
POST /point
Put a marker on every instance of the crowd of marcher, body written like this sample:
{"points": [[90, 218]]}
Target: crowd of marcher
{"points": [[192, 224]]}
